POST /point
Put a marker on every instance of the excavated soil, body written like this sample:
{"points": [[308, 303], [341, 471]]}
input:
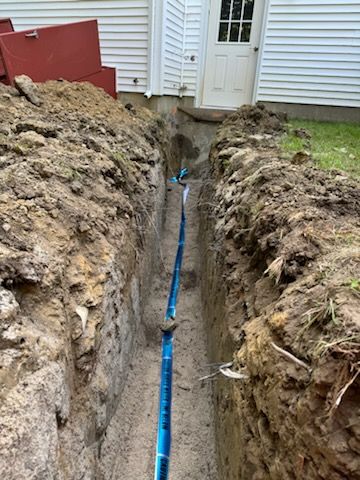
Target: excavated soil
{"points": [[281, 297], [81, 190]]}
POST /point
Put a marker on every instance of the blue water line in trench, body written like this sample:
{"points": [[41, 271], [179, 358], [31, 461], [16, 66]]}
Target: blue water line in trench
{"points": [[163, 448]]}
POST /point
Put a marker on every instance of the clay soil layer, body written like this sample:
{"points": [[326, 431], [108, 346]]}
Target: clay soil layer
{"points": [[281, 297]]}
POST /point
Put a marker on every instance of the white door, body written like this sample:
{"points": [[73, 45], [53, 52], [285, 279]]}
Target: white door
{"points": [[233, 42]]}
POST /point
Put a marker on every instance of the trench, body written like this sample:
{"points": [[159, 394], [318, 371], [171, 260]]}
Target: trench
{"points": [[85, 318], [81, 391], [133, 428]]}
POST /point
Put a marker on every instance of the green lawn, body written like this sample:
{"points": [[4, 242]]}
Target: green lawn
{"points": [[332, 145]]}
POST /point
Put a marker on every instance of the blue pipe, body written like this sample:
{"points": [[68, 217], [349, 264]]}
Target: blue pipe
{"points": [[163, 448]]}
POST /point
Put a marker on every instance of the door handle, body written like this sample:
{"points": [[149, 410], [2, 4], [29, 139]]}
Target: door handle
{"points": [[256, 49]]}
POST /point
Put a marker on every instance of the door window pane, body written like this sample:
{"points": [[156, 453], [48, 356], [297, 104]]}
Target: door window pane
{"points": [[236, 11], [225, 9], [223, 32], [245, 33], [248, 10], [234, 32], [236, 21]]}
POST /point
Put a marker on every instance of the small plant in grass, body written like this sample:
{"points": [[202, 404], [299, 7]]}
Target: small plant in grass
{"points": [[355, 284]]}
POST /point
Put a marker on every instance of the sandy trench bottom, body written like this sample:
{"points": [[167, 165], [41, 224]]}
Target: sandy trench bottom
{"points": [[132, 432]]}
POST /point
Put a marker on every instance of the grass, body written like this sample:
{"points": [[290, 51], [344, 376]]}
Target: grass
{"points": [[323, 313], [354, 284], [332, 145], [346, 343]]}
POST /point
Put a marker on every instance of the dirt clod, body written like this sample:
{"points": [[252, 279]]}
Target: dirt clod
{"points": [[285, 247], [302, 133], [26, 87]]}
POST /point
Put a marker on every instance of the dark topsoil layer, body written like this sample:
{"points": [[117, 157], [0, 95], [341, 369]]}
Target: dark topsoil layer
{"points": [[286, 238]]}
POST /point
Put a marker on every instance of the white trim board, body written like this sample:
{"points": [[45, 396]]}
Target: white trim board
{"points": [[261, 50], [204, 30]]}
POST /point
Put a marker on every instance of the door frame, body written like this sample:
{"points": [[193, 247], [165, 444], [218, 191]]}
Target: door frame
{"points": [[204, 35]]}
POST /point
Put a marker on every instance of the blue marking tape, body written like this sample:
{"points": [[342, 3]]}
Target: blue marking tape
{"points": [[163, 448]]}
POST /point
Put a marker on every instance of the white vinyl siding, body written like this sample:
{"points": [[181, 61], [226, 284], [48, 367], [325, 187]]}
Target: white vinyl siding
{"points": [[194, 9], [311, 53], [174, 46], [123, 28], [182, 46]]}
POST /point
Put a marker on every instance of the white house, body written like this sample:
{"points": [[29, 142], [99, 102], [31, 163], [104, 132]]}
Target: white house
{"points": [[220, 53]]}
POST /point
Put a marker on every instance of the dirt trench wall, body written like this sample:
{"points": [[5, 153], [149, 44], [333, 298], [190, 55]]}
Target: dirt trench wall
{"points": [[81, 201], [281, 296]]}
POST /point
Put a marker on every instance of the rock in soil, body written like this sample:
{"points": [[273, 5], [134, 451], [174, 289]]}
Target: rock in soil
{"points": [[27, 87], [283, 301]]}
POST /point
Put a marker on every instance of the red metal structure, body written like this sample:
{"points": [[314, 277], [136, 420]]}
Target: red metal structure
{"points": [[6, 26], [70, 52], [105, 79]]}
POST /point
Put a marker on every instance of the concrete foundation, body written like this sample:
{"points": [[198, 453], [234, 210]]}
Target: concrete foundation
{"points": [[162, 104], [316, 112], [168, 105]]}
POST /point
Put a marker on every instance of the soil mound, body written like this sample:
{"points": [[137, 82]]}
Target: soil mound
{"points": [[255, 119], [80, 178], [286, 243]]}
